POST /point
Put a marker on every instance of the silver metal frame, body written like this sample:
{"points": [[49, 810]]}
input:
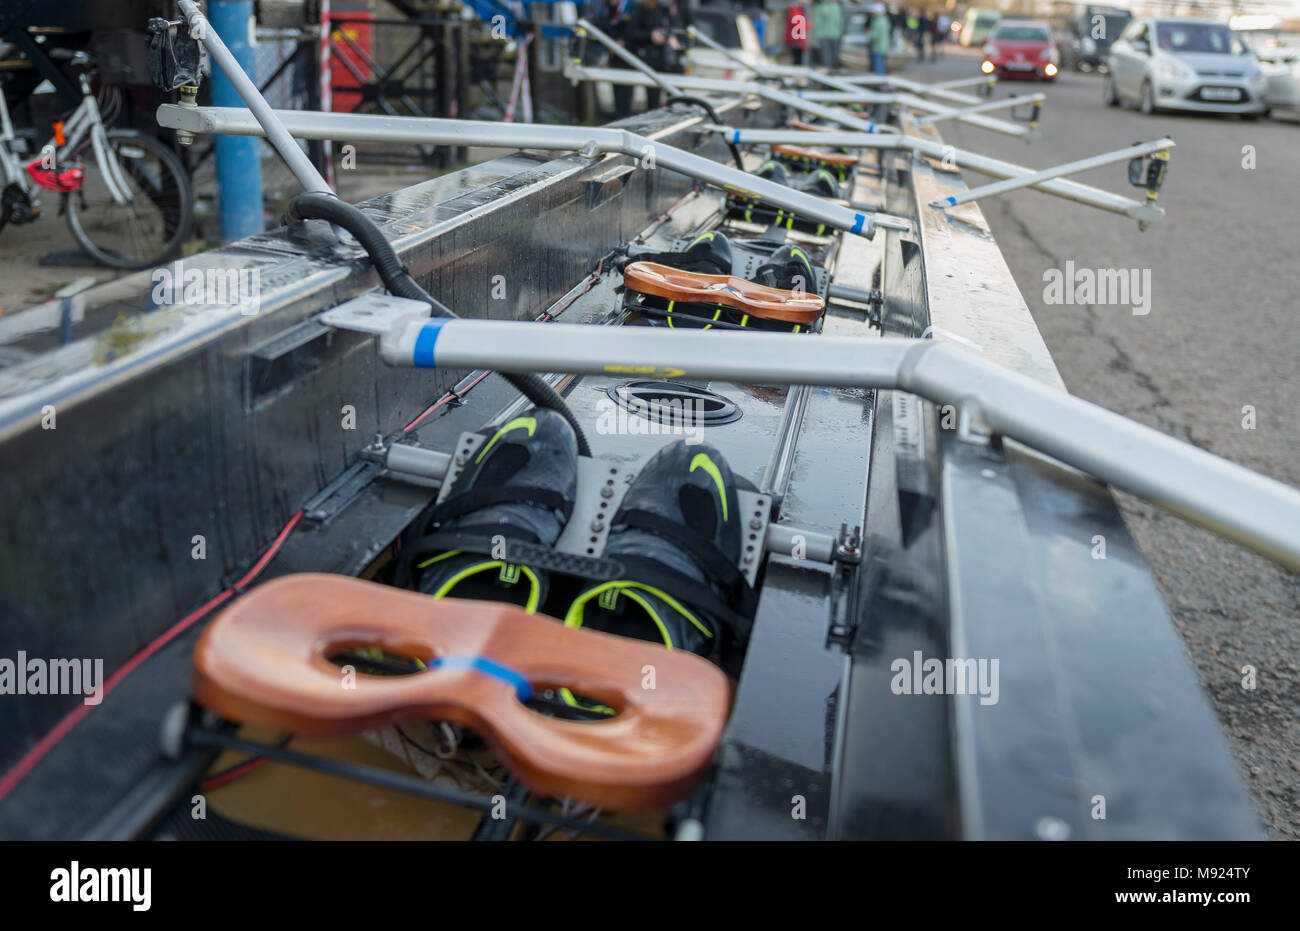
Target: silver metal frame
{"points": [[1046, 174], [846, 82], [804, 101], [594, 140], [1049, 180], [275, 133], [1253, 510]]}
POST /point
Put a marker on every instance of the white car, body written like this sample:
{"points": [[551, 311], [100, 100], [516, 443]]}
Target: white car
{"points": [[1279, 59], [1184, 64]]}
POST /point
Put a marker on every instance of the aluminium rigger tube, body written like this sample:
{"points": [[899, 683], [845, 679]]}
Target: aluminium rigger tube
{"points": [[1255, 511], [276, 134], [429, 131]]}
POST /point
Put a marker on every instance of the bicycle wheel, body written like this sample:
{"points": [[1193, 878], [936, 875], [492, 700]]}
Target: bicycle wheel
{"points": [[150, 228]]}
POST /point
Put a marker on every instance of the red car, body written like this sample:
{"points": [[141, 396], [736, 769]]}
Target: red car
{"points": [[1021, 48]]}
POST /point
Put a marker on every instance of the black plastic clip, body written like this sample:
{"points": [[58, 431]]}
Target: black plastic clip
{"points": [[175, 56], [1149, 172]]}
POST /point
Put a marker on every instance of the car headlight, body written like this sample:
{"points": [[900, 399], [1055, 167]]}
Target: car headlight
{"points": [[990, 51], [1047, 54], [1174, 70]]}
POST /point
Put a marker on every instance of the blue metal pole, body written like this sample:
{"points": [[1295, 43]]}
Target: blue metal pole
{"points": [[239, 164]]}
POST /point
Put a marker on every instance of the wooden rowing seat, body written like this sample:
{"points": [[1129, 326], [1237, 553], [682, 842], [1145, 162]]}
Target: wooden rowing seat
{"points": [[266, 661], [673, 284], [821, 156]]}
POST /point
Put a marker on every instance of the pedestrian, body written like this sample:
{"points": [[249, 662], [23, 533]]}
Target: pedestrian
{"points": [[879, 38], [828, 28], [679, 15], [612, 21], [924, 26], [914, 28], [942, 27], [650, 38], [796, 30]]}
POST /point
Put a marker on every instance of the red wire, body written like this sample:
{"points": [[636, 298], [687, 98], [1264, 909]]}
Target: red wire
{"points": [[232, 774], [27, 762], [443, 400]]}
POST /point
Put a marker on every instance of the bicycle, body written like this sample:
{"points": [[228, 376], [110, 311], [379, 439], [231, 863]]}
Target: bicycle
{"points": [[132, 211]]}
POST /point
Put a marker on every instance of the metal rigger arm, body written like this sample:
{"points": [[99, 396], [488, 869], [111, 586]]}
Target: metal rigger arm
{"points": [[811, 102], [1255, 511], [1048, 180], [944, 90], [281, 127], [304, 124]]}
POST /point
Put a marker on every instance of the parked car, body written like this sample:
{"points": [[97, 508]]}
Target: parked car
{"points": [[1088, 35], [976, 26], [1021, 48], [1279, 59], [1184, 64]]}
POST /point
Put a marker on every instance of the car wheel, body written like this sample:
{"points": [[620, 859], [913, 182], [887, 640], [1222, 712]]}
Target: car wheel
{"points": [[1109, 92], [1148, 99]]}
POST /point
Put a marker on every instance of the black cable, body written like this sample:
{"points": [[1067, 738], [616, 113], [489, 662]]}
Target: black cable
{"points": [[713, 115], [314, 205], [222, 773]]}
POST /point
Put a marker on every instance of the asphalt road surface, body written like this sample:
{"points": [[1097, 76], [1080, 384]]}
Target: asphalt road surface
{"points": [[1219, 344]]}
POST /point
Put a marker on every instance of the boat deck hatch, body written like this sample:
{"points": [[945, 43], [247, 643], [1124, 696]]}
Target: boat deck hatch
{"points": [[673, 403]]}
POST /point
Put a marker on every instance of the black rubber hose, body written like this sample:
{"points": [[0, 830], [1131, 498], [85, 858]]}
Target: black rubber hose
{"points": [[713, 115], [318, 206]]}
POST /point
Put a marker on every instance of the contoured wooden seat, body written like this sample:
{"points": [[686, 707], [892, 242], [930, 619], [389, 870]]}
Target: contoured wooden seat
{"points": [[800, 307], [822, 156], [265, 660]]}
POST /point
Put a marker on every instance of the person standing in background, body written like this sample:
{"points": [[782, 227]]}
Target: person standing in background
{"points": [[612, 20], [796, 30], [679, 14], [879, 38], [828, 29], [649, 38], [924, 26], [942, 23]]}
